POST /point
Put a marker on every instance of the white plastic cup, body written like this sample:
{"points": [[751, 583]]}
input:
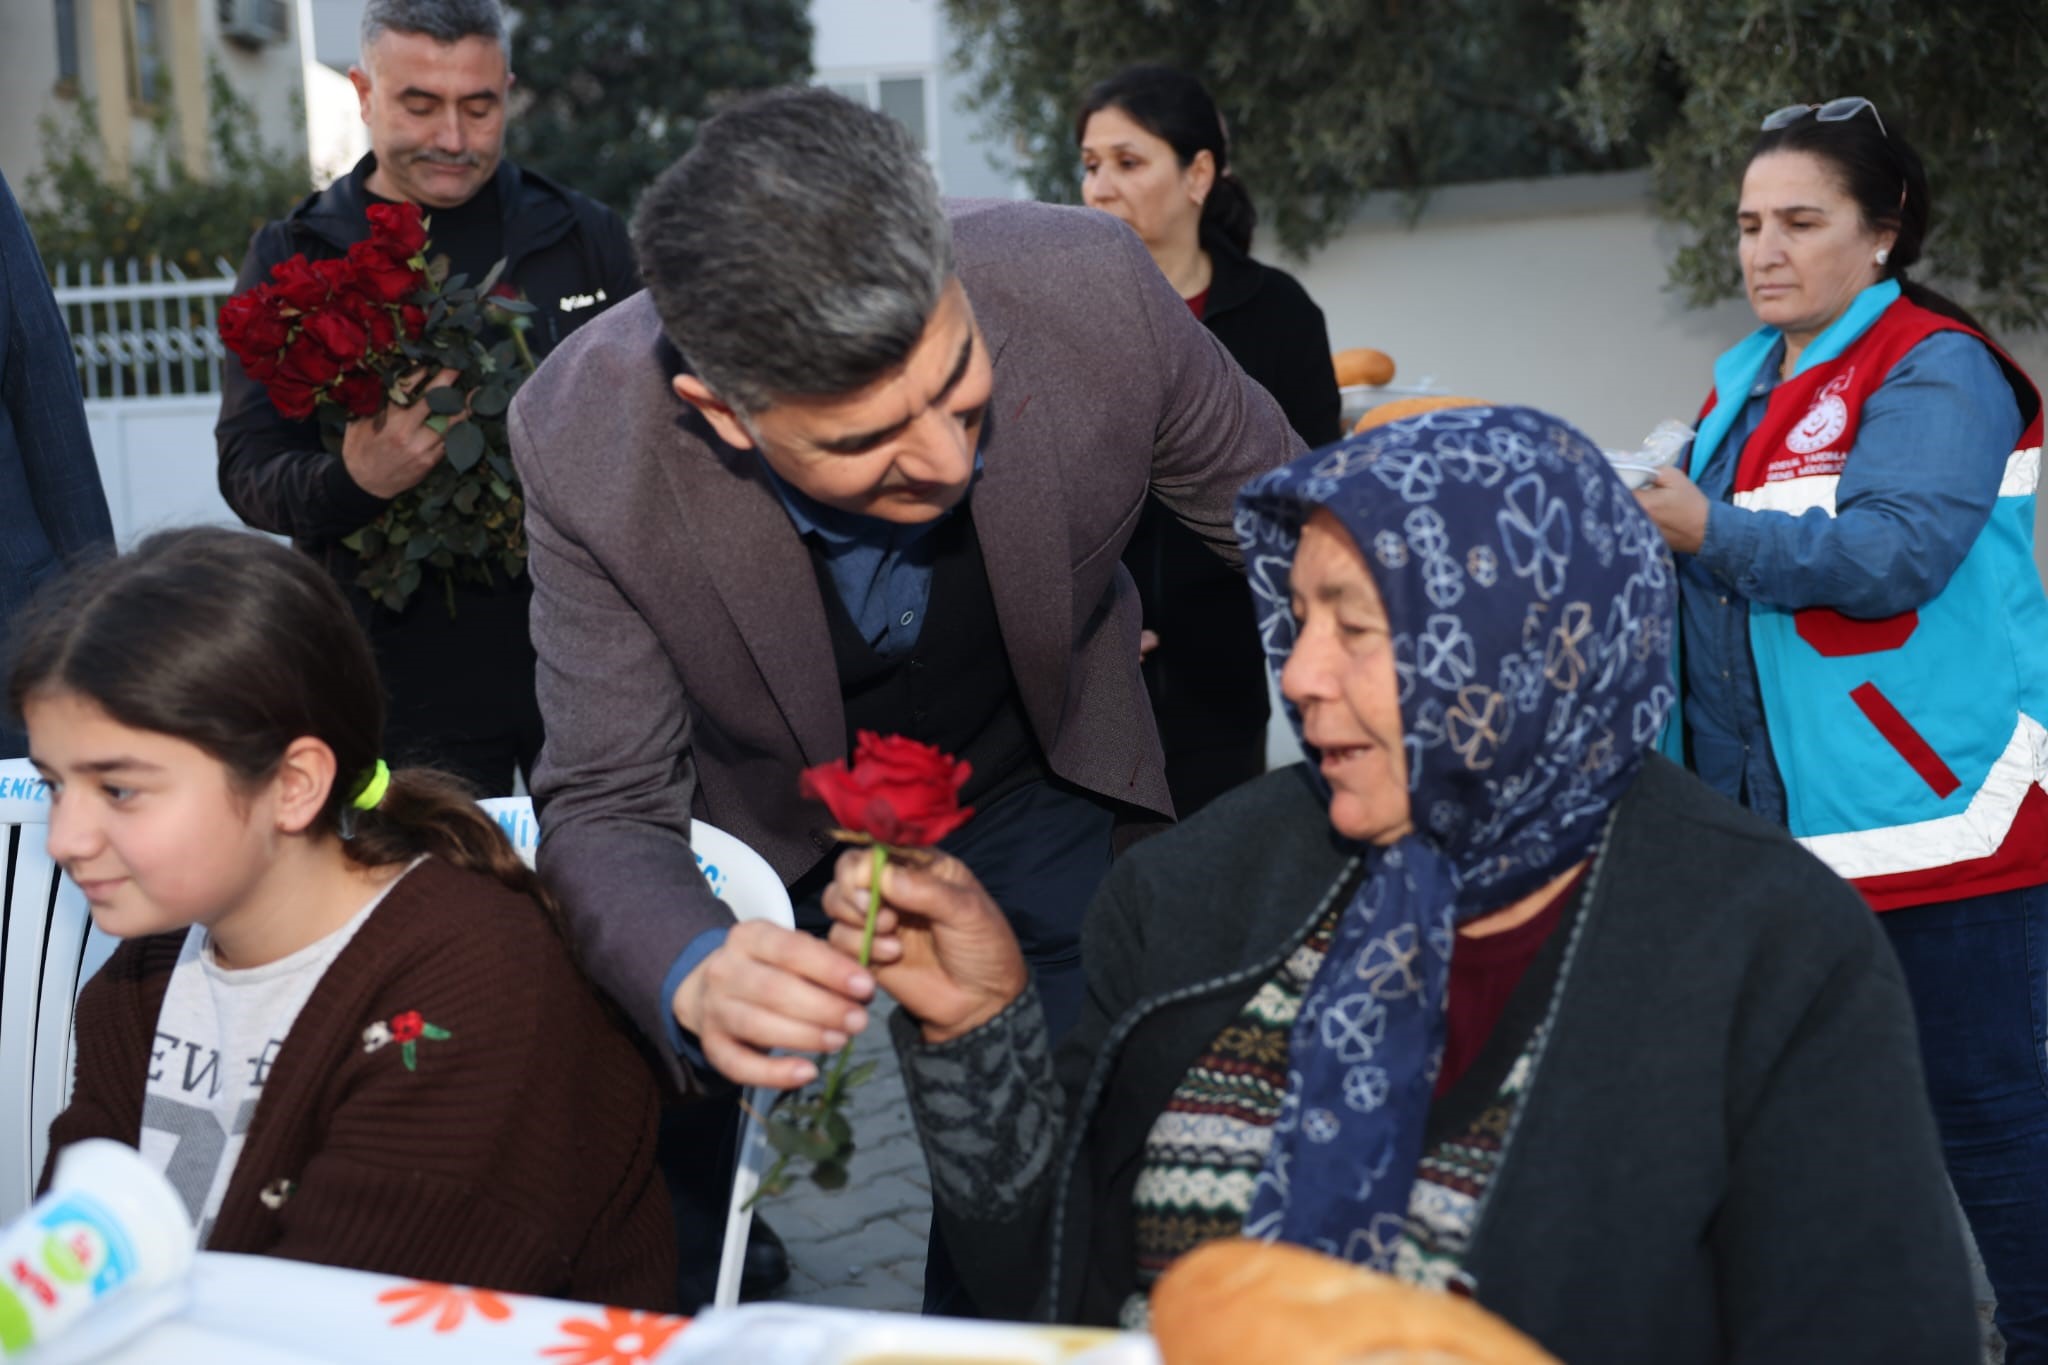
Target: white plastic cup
{"points": [[110, 1225]]}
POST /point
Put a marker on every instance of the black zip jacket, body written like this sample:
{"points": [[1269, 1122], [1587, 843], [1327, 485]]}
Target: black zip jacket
{"points": [[1725, 1155], [1207, 678], [569, 253]]}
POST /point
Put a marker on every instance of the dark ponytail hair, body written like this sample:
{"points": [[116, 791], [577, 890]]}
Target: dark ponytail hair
{"points": [[1173, 107], [1882, 173], [239, 646]]}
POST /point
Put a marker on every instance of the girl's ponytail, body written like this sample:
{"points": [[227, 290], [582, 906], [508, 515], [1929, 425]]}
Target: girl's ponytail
{"points": [[429, 812]]}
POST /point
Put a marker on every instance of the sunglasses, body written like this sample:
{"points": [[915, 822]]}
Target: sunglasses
{"points": [[1834, 111]]}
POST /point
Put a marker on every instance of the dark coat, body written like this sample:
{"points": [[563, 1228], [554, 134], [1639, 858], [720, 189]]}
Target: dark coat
{"points": [[1207, 678], [685, 662], [560, 248], [53, 511], [519, 1156], [1725, 1153], [461, 687]]}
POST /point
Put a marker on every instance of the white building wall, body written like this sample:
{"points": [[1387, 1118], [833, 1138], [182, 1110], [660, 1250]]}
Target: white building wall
{"points": [[857, 43], [28, 86], [270, 77], [1550, 293]]}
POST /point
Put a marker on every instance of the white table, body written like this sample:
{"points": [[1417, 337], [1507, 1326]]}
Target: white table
{"points": [[254, 1310]]}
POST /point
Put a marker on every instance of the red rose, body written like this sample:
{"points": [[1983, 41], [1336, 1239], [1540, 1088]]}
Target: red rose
{"points": [[238, 314], [383, 330], [407, 1027], [398, 230], [268, 332], [297, 283], [897, 791], [292, 397], [307, 361], [251, 327], [332, 328], [414, 320], [381, 277], [361, 393]]}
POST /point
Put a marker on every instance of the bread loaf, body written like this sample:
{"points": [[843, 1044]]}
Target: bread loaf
{"points": [[1363, 365], [1382, 413], [1241, 1302]]}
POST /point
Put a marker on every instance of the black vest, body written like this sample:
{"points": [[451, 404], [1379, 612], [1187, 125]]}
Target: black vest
{"points": [[954, 688]]}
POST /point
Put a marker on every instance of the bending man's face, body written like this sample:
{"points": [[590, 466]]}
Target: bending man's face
{"points": [[901, 449]]}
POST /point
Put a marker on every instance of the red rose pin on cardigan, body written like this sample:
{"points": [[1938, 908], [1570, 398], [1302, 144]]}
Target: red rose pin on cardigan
{"points": [[898, 797], [406, 1030]]}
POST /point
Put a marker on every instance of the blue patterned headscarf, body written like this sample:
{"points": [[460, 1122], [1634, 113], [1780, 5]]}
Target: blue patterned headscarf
{"points": [[1531, 605]]}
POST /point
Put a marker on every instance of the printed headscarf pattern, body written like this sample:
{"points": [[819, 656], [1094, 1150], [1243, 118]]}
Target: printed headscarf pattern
{"points": [[1531, 605]]}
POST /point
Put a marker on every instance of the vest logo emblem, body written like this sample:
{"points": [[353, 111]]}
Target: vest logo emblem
{"points": [[1825, 421]]}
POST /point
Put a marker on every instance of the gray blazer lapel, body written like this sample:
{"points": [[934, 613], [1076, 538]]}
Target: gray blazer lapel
{"points": [[744, 539], [1020, 518]]}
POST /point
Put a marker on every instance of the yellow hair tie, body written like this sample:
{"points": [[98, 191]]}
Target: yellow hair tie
{"points": [[373, 790]]}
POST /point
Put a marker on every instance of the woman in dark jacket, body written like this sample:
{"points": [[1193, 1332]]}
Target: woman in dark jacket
{"points": [[1154, 153], [1487, 996]]}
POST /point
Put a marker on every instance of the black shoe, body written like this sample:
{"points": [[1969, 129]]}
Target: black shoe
{"points": [[766, 1267]]}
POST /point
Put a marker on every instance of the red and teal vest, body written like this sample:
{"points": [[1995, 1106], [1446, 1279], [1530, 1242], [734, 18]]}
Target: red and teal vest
{"points": [[1914, 749]]}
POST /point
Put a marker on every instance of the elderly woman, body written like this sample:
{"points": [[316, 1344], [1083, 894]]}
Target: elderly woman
{"points": [[1485, 994], [1865, 637]]}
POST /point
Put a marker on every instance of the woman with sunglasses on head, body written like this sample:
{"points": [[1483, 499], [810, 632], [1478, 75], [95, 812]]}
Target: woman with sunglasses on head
{"points": [[1865, 640], [1154, 152]]}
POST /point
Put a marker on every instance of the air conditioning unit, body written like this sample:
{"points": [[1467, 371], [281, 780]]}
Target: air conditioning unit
{"points": [[254, 23]]}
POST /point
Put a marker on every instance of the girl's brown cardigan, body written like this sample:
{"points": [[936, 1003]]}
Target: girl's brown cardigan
{"points": [[518, 1156]]}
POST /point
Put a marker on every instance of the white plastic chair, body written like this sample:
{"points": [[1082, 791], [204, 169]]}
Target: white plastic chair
{"points": [[51, 949], [750, 889]]}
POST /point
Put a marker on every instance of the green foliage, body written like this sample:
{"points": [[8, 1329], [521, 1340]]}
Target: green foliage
{"points": [[466, 518], [1332, 99], [79, 212], [1327, 99], [611, 91], [1960, 80]]}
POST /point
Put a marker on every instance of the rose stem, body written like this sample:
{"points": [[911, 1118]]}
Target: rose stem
{"points": [[519, 340], [878, 859]]}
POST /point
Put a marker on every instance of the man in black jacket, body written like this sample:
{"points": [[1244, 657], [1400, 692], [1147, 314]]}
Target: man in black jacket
{"points": [[433, 84]]}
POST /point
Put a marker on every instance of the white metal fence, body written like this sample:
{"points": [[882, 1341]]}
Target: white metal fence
{"points": [[148, 351], [144, 331]]}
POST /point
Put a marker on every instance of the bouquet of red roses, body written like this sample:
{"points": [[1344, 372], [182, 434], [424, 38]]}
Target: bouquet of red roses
{"points": [[340, 339]]}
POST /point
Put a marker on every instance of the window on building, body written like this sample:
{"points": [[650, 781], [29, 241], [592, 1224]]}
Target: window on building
{"points": [[902, 99], [903, 95], [148, 84], [67, 42]]}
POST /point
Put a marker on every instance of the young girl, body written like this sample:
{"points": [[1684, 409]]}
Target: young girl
{"points": [[344, 1025]]}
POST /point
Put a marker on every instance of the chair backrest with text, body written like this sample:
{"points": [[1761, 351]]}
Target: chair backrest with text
{"points": [[738, 875], [49, 948], [743, 879]]}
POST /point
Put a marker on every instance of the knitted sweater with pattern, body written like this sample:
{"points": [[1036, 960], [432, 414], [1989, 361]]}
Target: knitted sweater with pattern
{"points": [[1724, 1155], [517, 1153]]}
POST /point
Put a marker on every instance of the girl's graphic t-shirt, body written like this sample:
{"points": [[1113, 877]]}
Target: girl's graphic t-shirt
{"points": [[217, 1035]]}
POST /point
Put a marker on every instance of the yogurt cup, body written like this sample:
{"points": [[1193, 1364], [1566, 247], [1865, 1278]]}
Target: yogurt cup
{"points": [[109, 1226]]}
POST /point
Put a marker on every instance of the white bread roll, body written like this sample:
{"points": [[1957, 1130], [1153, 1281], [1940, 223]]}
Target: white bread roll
{"points": [[1237, 1301]]}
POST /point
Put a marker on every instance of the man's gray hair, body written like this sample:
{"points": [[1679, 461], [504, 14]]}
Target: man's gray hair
{"points": [[797, 250], [445, 21]]}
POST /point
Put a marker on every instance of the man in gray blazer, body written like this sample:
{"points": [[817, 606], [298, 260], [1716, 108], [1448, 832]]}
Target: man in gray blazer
{"points": [[748, 487], [852, 461]]}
